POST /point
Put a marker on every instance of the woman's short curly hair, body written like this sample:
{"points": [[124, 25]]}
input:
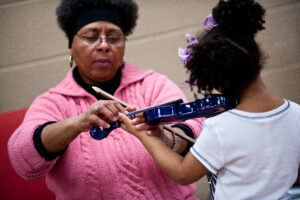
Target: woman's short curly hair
{"points": [[227, 56], [68, 11]]}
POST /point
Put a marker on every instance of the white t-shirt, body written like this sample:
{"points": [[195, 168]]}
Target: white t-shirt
{"points": [[253, 155]]}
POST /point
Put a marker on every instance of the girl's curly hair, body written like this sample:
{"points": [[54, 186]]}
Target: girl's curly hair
{"points": [[227, 56], [68, 11]]}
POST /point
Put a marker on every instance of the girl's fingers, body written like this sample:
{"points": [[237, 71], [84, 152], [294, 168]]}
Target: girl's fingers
{"points": [[124, 119], [138, 120], [155, 131]]}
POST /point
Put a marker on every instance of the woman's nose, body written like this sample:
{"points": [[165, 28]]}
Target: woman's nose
{"points": [[103, 46]]}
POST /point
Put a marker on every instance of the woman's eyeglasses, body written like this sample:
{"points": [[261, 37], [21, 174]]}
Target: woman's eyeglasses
{"points": [[111, 40]]}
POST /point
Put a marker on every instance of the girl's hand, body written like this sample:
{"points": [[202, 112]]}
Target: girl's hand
{"points": [[153, 130], [127, 125], [140, 129]]}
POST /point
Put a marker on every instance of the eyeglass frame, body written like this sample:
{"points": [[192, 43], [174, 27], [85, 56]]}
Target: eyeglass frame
{"points": [[86, 38]]}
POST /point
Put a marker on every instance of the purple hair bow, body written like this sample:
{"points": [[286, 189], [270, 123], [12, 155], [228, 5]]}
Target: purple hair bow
{"points": [[210, 22], [187, 82], [185, 54]]}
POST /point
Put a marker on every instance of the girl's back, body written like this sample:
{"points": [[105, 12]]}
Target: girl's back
{"points": [[255, 155]]}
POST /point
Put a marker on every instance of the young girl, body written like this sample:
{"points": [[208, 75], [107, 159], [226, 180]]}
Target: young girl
{"points": [[252, 151]]}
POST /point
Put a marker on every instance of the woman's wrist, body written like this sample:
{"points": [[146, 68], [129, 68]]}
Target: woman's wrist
{"points": [[175, 143], [179, 144], [167, 138], [56, 137]]}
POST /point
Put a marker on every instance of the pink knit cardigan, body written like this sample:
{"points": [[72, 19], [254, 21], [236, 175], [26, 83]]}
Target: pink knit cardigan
{"points": [[117, 167]]}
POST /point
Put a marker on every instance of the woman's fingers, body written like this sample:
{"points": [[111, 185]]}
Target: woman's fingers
{"points": [[108, 110], [130, 108], [101, 113], [120, 107]]}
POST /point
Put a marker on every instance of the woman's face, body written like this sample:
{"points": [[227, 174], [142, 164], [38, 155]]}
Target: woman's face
{"points": [[98, 61]]}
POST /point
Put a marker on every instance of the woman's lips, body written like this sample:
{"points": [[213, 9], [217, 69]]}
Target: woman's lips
{"points": [[102, 62]]}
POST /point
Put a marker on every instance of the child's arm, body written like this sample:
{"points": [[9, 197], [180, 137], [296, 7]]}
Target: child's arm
{"points": [[183, 170]]}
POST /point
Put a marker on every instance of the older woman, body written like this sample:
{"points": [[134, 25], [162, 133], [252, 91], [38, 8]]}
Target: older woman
{"points": [[54, 140]]}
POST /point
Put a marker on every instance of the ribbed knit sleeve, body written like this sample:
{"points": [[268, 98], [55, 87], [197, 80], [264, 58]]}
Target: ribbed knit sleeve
{"points": [[50, 106], [23, 155]]}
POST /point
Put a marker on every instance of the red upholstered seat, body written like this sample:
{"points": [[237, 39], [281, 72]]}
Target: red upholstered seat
{"points": [[12, 186]]}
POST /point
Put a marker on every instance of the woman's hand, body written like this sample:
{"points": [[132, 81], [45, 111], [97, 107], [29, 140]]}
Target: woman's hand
{"points": [[101, 113], [55, 137]]}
